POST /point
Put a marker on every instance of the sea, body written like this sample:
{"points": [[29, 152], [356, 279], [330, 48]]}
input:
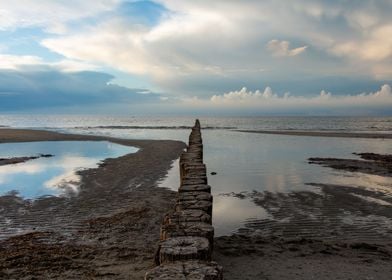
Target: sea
{"points": [[243, 162]]}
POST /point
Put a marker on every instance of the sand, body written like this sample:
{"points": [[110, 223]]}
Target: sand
{"points": [[109, 231]]}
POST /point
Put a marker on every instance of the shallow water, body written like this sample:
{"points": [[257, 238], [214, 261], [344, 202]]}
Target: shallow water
{"points": [[55, 175], [247, 162]]}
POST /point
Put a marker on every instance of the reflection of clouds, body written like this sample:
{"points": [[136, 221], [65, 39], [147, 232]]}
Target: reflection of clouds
{"points": [[57, 175], [6, 171], [68, 180], [369, 182], [229, 212], [172, 179], [74, 161], [372, 199]]}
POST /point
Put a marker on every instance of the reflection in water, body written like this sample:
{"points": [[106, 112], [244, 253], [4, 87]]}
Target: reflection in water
{"points": [[274, 163], [229, 213], [369, 182], [56, 175], [172, 179]]}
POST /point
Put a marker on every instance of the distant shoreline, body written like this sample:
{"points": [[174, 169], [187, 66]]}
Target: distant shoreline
{"points": [[322, 134]]}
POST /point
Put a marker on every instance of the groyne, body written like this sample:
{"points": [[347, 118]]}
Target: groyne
{"points": [[187, 234]]}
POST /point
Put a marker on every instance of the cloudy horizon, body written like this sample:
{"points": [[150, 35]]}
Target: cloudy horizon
{"points": [[196, 57]]}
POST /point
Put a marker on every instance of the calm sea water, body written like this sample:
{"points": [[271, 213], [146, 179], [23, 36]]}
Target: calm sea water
{"points": [[245, 161], [370, 124]]}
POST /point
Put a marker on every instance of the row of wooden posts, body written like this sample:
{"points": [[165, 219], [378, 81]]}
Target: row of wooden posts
{"points": [[187, 235]]}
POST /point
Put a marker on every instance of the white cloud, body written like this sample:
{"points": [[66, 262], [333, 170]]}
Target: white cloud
{"points": [[244, 96], [13, 62], [267, 99], [282, 48], [19, 62], [209, 41], [377, 46], [48, 13]]}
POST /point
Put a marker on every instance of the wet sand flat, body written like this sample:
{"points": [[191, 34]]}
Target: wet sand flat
{"points": [[108, 231], [329, 232]]}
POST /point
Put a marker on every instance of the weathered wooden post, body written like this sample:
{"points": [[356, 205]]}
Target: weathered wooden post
{"points": [[187, 235]]}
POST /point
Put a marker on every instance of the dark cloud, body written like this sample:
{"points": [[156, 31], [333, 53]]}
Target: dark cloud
{"points": [[49, 88]]}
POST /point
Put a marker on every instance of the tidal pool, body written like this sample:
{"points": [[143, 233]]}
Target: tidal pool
{"points": [[247, 163], [56, 175]]}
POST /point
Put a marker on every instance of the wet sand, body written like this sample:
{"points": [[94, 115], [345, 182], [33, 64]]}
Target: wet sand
{"points": [[369, 163], [323, 134], [328, 232], [109, 230]]}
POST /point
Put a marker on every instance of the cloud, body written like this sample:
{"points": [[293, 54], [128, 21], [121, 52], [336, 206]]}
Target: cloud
{"points": [[243, 96], [282, 48], [50, 88], [199, 46], [377, 46], [51, 15], [268, 101], [21, 62], [14, 62]]}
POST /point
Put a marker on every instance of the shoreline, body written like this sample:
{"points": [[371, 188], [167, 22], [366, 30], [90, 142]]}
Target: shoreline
{"points": [[110, 229], [322, 134]]}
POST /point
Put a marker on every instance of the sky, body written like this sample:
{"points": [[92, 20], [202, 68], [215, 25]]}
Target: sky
{"points": [[221, 57]]}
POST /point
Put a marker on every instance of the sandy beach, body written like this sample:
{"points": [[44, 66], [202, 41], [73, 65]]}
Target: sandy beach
{"points": [[111, 229]]}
